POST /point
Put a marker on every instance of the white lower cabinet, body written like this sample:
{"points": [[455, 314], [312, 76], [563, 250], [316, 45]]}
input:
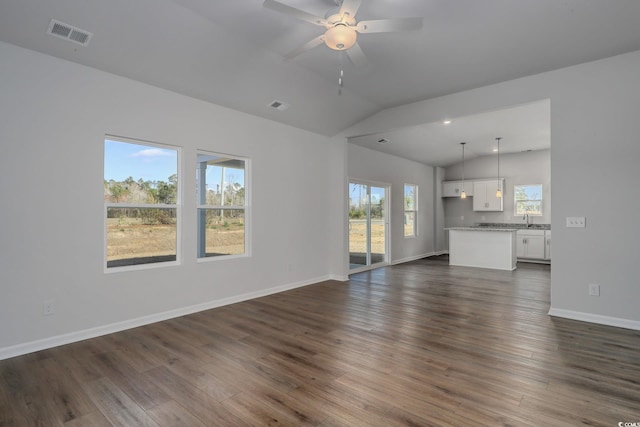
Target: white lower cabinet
{"points": [[531, 244], [547, 241]]}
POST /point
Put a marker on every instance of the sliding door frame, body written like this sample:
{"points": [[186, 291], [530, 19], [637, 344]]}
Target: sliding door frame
{"points": [[387, 221]]}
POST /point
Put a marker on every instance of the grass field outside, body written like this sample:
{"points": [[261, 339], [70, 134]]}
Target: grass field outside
{"points": [[129, 238]]}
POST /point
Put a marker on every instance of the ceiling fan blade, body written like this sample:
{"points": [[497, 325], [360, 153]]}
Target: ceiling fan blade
{"points": [[350, 7], [356, 55], [296, 13], [309, 45], [389, 25]]}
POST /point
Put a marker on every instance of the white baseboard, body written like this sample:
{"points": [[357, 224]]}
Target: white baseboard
{"points": [[595, 318], [415, 257], [339, 278], [42, 344]]}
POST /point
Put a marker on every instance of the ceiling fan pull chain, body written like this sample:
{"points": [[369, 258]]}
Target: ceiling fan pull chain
{"points": [[341, 76]]}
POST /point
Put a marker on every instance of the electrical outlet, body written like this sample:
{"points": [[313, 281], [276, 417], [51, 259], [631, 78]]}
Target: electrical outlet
{"points": [[594, 289], [47, 308], [576, 221]]}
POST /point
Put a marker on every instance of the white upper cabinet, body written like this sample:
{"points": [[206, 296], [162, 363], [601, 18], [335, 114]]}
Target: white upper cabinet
{"points": [[484, 195], [454, 188]]}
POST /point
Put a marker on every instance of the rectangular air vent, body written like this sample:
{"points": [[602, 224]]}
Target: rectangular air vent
{"points": [[279, 105], [69, 32]]}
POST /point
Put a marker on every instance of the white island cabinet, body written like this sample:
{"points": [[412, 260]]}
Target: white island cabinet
{"points": [[483, 247]]}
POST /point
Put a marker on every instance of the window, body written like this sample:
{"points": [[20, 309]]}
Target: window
{"points": [[141, 203], [222, 205], [528, 199], [410, 210]]}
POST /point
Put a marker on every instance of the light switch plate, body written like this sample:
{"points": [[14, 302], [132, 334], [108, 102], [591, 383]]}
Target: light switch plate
{"points": [[576, 221]]}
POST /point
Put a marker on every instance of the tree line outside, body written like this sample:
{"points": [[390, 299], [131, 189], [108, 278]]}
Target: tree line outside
{"points": [[142, 192], [358, 210]]}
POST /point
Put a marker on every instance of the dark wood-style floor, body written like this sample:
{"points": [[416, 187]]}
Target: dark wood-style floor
{"points": [[421, 343]]}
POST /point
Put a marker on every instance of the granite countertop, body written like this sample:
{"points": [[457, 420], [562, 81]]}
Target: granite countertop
{"points": [[513, 226], [509, 230], [496, 226]]}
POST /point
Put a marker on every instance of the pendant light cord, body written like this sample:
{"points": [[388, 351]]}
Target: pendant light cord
{"points": [[499, 191], [463, 143], [463, 195], [498, 157]]}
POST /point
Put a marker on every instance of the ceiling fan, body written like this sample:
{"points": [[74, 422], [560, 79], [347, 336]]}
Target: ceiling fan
{"points": [[342, 28]]}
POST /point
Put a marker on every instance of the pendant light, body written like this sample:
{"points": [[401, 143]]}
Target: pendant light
{"points": [[499, 191], [463, 195]]}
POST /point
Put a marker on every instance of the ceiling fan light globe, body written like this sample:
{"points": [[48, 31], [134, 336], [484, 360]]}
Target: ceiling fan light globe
{"points": [[340, 37]]}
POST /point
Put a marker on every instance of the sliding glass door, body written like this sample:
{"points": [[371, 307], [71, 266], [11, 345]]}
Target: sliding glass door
{"points": [[368, 224]]}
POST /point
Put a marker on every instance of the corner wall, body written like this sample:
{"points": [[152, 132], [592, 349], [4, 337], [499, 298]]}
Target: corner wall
{"points": [[55, 115], [369, 165]]}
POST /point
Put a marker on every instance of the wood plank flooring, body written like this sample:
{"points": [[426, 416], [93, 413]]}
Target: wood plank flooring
{"points": [[416, 344]]}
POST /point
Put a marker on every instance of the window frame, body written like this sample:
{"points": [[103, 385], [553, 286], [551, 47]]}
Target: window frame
{"points": [[177, 206], [245, 207], [515, 200], [414, 210]]}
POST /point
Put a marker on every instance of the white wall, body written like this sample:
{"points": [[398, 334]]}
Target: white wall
{"points": [[517, 169], [369, 165], [54, 118], [439, 215], [595, 145]]}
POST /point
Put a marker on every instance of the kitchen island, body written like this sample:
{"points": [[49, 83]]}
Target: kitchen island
{"points": [[483, 247]]}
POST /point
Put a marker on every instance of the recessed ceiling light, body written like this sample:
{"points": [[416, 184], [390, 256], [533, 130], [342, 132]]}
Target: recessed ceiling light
{"points": [[495, 150], [446, 122]]}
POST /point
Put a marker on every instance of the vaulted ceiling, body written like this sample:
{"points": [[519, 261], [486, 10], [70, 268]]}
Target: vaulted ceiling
{"points": [[231, 52]]}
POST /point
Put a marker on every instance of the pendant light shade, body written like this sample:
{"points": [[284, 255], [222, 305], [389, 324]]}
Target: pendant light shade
{"points": [[499, 190], [463, 194]]}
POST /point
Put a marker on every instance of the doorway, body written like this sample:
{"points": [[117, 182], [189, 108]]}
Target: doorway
{"points": [[368, 225]]}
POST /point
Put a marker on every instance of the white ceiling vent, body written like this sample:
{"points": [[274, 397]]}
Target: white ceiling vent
{"points": [[279, 105], [68, 32]]}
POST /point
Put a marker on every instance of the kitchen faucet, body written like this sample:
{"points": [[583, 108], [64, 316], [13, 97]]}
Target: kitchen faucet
{"points": [[526, 216]]}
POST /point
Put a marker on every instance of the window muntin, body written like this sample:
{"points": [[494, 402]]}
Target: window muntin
{"points": [[410, 210], [528, 199], [141, 203], [222, 203]]}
